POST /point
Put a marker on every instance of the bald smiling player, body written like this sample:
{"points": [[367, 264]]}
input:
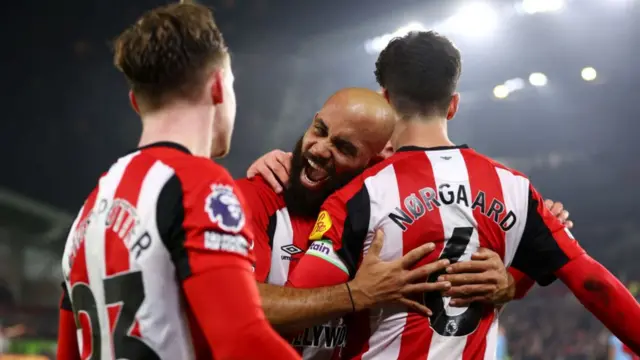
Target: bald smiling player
{"points": [[348, 133], [350, 129]]}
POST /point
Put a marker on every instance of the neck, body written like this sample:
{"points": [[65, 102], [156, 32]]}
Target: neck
{"points": [[422, 132], [189, 126]]}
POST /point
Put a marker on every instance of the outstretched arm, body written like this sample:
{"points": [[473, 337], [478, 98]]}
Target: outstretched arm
{"points": [[226, 305], [605, 297], [377, 281]]}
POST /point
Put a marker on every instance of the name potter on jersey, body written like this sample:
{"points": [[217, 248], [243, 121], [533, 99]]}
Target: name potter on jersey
{"points": [[122, 219], [415, 206]]}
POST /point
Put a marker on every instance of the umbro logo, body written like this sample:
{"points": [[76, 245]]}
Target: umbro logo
{"points": [[291, 249]]}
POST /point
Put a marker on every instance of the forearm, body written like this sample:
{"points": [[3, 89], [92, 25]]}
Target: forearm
{"points": [[226, 304], [290, 310], [605, 297]]}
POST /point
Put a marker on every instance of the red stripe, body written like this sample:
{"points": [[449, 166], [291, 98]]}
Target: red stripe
{"points": [[414, 173], [121, 220], [79, 274], [483, 177]]}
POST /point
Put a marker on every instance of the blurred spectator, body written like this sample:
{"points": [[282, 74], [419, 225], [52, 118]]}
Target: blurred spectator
{"points": [[502, 348], [618, 351]]}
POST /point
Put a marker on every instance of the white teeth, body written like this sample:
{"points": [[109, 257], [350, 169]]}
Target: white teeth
{"points": [[314, 165]]}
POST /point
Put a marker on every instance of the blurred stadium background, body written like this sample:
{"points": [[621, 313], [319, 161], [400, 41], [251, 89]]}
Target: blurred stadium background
{"points": [[550, 87]]}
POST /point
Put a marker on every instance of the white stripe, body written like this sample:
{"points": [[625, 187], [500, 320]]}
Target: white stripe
{"points": [[95, 248], [515, 192], [66, 269], [68, 247], [386, 322], [162, 323], [450, 168], [491, 350], [283, 235]]}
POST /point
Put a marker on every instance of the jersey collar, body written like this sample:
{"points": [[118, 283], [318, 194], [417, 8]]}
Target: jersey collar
{"points": [[168, 144], [419, 148]]}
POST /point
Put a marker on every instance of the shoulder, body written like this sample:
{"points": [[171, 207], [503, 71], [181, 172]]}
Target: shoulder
{"points": [[206, 191], [476, 158], [258, 187]]}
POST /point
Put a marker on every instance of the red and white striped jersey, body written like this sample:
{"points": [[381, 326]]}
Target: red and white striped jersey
{"points": [[456, 198], [156, 218], [281, 239]]}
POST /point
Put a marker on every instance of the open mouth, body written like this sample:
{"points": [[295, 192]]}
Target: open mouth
{"points": [[313, 174]]}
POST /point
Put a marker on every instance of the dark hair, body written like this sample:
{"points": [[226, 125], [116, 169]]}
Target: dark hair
{"points": [[420, 72], [168, 52]]}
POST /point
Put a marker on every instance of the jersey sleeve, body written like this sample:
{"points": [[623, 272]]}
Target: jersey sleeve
{"points": [[338, 239], [201, 218], [546, 244], [264, 203]]}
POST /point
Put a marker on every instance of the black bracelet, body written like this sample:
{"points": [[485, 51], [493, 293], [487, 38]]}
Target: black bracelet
{"points": [[353, 305]]}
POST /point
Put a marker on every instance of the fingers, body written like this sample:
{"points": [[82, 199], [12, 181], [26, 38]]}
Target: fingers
{"points": [[376, 244], [270, 178], [285, 160], [466, 291], [568, 224], [466, 278], [484, 254], [548, 203], [422, 287], [422, 272], [281, 166], [473, 266], [463, 302], [413, 256], [415, 306], [564, 215]]}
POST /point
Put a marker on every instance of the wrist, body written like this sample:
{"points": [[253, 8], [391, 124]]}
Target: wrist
{"points": [[360, 298], [509, 293]]}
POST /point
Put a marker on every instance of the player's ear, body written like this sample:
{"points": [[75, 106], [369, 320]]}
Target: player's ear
{"points": [[385, 93], [216, 89], [134, 102], [453, 106]]}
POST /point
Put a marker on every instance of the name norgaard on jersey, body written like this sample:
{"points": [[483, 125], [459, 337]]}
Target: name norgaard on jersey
{"points": [[415, 206]]}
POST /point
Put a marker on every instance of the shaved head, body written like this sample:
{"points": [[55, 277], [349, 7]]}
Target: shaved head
{"points": [[367, 111], [352, 127]]}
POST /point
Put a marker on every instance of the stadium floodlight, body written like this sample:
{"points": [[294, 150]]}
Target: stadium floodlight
{"points": [[514, 84], [538, 79], [500, 91], [475, 19], [377, 44], [542, 6], [589, 74]]}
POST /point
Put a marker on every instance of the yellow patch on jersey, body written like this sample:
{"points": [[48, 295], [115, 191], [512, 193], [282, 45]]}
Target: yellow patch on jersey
{"points": [[323, 224]]}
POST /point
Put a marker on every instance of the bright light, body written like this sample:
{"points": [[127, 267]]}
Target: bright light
{"points": [[541, 6], [477, 19], [514, 84], [589, 74], [500, 91], [538, 79], [377, 44]]}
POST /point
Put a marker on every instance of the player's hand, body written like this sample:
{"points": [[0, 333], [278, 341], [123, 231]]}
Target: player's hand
{"points": [[484, 278], [274, 167], [379, 281], [557, 209]]}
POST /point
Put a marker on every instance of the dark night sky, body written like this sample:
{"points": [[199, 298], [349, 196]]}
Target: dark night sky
{"points": [[66, 115]]}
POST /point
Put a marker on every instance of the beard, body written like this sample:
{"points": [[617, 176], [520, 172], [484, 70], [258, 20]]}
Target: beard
{"points": [[302, 201]]}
